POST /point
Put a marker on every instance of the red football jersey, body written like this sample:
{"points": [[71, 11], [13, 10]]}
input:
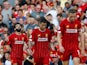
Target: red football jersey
{"points": [[42, 40], [70, 32], [17, 42]]}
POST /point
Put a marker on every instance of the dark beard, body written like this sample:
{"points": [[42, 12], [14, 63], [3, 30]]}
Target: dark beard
{"points": [[18, 30]]}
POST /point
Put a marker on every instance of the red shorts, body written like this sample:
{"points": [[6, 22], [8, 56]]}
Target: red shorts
{"points": [[16, 60], [39, 61], [70, 50]]}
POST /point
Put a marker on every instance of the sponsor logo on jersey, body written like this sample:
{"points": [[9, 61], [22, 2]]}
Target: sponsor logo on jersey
{"points": [[71, 31], [22, 38], [42, 39], [16, 39], [39, 35], [19, 42]]}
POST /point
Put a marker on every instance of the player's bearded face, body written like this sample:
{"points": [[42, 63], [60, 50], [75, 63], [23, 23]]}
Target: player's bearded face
{"points": [[72, 17], [43, 26]]}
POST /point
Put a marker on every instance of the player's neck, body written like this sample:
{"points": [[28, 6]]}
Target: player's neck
{"points": [[42, 30], [69, 20], [18, 33]]}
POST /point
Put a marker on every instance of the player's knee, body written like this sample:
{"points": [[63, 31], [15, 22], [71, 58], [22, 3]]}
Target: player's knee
{"points": [[76, 61]]}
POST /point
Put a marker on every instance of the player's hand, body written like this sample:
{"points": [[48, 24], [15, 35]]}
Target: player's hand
{"points": [[61, 49]]}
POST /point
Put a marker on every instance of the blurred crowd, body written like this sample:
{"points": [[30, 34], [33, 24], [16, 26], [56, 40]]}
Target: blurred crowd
{"points": [[29, 12]]}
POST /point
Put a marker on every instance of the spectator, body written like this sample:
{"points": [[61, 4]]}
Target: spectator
{"points": [[32, 8], [60, 17], [49, 20], [2, 27], [25, 9], [1, 55], [58, 2], [28, 15], [33, 1], [79, 2], [76, 6], [83, 6], [17, 7], [0, 9], [25, 2], [79, 15], [44, 6], [8, 60], [37, 13], [20, 15], [67, 7], [16, 2], [15, 11], [53, 12], [21, 21], [6, 12], [13, 22], [31, 23], [60, 11], [28, 1], [51, 5], [1, 22]]}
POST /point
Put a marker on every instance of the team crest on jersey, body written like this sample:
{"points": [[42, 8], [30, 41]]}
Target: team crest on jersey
{"points": [[38, 35], [46, 35], [51, 52], [22, 38], [76, 25], [67, 26], [16, 39]]}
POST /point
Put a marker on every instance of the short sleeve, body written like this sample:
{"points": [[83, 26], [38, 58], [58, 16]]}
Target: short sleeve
{"points": [[50, 35], [26, 38], [33, 35], [61, 27], [79, 26], [9, 40]]}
